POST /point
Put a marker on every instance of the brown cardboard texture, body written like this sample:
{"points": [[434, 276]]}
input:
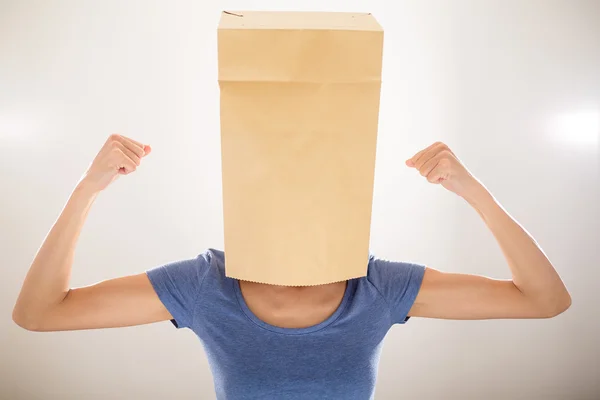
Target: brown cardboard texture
{"points": [[299, 113]]}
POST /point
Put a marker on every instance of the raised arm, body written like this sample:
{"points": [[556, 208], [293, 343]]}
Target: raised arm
{"points": [[535, 290], [46, 302]]}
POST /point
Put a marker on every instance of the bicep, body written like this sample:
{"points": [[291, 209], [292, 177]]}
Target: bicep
{"points": [[463, 296], [119, 302]]}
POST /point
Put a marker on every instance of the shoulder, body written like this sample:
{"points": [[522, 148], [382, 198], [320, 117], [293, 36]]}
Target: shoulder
{"points": [[191, 269], [214, 257], [211, 262], [395, 279], [398, 282], [382, 271]]}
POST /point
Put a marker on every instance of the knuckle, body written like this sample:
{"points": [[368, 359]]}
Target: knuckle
{"points": [[117, 155]]}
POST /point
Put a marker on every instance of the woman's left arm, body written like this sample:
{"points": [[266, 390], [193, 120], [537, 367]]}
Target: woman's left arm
{"points": [[535, 291]]}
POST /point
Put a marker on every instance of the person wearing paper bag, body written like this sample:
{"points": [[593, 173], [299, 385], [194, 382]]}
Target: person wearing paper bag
{"points": [[280, 342]]}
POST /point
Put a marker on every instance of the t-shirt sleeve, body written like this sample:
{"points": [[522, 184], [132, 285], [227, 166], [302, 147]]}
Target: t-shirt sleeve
{"points": [[398, 283], [178, 285]]}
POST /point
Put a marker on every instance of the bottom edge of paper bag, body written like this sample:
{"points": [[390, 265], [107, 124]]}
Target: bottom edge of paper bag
{"points": [[362, 275]]}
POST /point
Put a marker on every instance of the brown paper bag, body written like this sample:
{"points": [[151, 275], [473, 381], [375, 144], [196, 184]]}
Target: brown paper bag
{"points": [[299, 114]]}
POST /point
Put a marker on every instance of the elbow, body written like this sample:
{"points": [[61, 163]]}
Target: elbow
{"points": [[34, 317], [557, 306], [25, 321]]}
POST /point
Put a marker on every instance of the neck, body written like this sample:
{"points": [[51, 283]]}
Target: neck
{"points": [[289, 293]]}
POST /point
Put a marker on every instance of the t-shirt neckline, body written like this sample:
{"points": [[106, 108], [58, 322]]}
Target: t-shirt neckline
{"points": [[293, 331]]}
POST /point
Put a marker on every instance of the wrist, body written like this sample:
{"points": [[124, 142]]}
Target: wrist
{"points": [[478, 196], [84, 191]]}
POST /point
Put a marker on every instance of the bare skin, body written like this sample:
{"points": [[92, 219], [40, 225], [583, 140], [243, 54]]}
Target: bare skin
{"points": [[293, 307], [48, 303]]}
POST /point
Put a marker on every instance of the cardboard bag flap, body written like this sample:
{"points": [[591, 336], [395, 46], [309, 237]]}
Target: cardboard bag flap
{"points": [[298, 20], [299, 113], [299, 47]]}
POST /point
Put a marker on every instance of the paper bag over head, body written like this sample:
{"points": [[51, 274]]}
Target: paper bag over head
{"points": [[299, 115]]}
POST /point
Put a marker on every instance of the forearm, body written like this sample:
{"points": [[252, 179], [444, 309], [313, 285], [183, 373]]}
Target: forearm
{"points": [[532, 272], [47, 281]]}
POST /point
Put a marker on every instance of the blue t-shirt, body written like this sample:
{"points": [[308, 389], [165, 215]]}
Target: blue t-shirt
{"points": [[250, 359]]}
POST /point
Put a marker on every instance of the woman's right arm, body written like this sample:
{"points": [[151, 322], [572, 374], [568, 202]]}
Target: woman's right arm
{"points": [[46, 302]]}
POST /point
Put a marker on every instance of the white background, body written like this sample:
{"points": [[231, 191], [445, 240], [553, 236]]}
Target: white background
{"points": [[512, 86]]}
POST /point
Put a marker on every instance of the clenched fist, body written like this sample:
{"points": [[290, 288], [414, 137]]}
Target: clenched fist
{"points": [[440, 166], [120, 155]]}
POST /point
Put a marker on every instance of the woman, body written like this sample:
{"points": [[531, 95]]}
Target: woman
{"points": [[274, 342]]}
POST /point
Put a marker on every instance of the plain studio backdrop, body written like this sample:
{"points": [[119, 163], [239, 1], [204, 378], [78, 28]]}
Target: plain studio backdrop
{"points": [[513, 87]]}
